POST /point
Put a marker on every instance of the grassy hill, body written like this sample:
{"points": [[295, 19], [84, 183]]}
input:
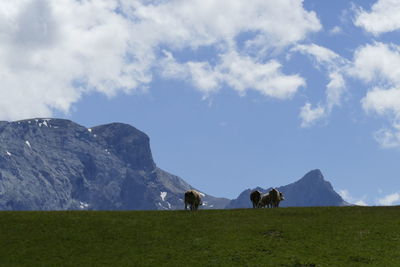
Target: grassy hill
{"points": [[323, 236]]}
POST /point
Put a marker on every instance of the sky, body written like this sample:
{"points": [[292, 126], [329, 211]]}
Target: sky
{"points": [[233, 94]]}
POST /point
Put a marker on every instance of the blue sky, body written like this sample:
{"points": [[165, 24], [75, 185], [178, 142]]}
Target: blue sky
{"points": [[232, 94]]}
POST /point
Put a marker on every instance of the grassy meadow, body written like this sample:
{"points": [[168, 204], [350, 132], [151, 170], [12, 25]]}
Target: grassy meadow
{"points": [[320, 236]]}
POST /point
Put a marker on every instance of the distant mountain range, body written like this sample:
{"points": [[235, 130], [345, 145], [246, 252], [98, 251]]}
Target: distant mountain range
{"points": [[311, 190], [56, 164]]}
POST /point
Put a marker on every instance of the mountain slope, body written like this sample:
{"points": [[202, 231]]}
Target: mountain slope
{"points": [[311, 190], [55, 164]]}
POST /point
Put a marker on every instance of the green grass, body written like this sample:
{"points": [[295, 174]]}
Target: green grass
{"points": [[325, 236]]}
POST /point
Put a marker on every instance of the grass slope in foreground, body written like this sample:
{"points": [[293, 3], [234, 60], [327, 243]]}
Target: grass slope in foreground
{"points": [[323, 236]]}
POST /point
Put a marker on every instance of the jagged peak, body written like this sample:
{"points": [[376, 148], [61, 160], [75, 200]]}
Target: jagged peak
{"points": [[51, 123], [128, 143], [313, 175], [41, 120], [44, 122], [104, 167], [118, 128]]}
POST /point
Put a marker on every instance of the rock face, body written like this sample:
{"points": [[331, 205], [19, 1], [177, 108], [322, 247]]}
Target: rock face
{"points": [[311, 190], [55, 164]]}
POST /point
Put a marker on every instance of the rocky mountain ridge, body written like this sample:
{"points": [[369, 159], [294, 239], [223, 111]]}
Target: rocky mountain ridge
{"points": [[56, 164]]}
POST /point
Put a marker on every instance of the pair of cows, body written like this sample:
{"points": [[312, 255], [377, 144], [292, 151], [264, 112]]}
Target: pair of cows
{"points": [[271, 199]]}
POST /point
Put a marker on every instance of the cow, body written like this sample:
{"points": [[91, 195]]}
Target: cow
{"points": [[265, 201], [276, 197], [255, 197], [193, 199]]}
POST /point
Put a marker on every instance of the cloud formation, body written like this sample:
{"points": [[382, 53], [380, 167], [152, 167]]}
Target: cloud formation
{"points": [[54, 52], [239, 72], [389, 200], [383, 17], [378, 65], [335, 66], [310, 115], [377, 62], [345, 194]]}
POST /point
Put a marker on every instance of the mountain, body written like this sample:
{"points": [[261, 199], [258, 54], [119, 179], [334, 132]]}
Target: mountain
{"points": [[311, 190], [56, 164]]}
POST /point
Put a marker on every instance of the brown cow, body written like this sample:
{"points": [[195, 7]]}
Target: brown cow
{"points": [[192, 198], [265, 201], [276, 197], [255, 197]]}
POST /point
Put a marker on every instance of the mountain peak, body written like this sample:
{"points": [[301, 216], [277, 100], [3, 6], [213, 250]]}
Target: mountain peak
{"points": [[128, 143], [313, 176], [311, 190], [57, 164]]}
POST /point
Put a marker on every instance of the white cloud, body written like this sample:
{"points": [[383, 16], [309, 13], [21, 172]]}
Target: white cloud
{"points": [[336, 30], [345, 194], [377, 62], [321, 54], [361, 203], [332, 63], [170, 68], [203, 76], [389, 200], [389, 137], [383, 102], [205, 22], [243, 73], [240, 72], [54, 52], [335, 89], [383, 17], [378, 65], [310, 115]]}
